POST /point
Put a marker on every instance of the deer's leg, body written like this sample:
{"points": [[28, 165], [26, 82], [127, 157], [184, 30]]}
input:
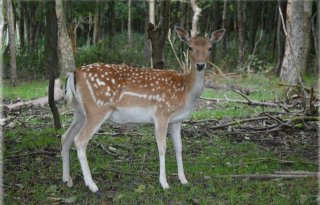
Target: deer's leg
{"points": [[175, 132], [92, 124], [66, 141], [161, 127]]}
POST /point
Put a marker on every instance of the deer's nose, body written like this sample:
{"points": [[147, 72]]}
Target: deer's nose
{"points": [[200, 66]]}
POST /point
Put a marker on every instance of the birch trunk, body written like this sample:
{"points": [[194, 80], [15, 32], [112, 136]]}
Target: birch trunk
{"points": [[12, 47]]}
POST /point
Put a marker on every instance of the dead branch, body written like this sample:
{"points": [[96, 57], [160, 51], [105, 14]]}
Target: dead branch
{"points": [[240, 122], [297, 86], [105, 149], [248, 102]]}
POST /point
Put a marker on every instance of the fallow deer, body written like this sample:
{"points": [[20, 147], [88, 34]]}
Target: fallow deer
{"points": [[124, 94]]}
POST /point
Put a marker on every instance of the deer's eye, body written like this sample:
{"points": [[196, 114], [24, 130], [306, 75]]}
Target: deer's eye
{"points": [[189, 48], [210, 49]]}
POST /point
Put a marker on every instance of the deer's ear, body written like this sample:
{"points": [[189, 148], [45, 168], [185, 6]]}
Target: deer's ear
{"points": [[217, 35], [183, 34]]}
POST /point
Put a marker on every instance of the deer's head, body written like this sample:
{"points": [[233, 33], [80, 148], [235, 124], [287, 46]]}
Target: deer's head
{"points": [[199, 47]]}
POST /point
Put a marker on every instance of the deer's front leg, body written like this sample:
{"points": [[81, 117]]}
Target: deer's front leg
{"points": [[161, 127], [175, 132]]}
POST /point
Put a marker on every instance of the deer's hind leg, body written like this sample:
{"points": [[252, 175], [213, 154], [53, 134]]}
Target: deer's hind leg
{"points": [[93, 122], [66, 141]]}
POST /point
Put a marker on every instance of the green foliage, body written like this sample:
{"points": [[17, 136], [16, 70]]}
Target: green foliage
{"points": [[120, 52]]}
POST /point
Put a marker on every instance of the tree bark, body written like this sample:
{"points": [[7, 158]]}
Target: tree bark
{"points": [[280, 42], [96, 23], [65, 52], [52, 42], [111, 24], [293, 61], [12, 47], [307, 38], [215, 26], [240, 34], [1, 48], [318, 14], [21, 26], [147, 43], [158, 35], [256, 8], [224, 25], [129, 23]]}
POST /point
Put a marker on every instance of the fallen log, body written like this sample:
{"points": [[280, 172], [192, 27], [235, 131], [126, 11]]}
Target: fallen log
{"points": [[40, 102]]}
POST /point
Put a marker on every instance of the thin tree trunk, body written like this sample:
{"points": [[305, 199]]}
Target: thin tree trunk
{"points": [[65, 52], [129, 23], [280, 47], [240, 34], [21, 27], [147, 43], [111, 19], [51, 42], [96, 23], [12, 47], [256, 8], [224, 25], [215, 26]]}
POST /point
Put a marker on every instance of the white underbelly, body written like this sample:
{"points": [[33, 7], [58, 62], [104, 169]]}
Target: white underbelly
{"points": [[133, 115]]}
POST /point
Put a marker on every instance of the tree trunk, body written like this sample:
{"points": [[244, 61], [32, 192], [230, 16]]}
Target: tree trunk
{"points": [[280, 41], [318, 20], [129, 23], [158, 35], [65, 52], [215, 26], [111, 24], [96, 23], [147, 43], [12, 47], [21, 27], [1, 48], [240, 34], [256, 8], [224, 25], [51, 43], [308, 33], [293, 61]]}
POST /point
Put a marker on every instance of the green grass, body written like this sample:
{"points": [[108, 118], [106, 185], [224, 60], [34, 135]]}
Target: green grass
{"points": [[25, 90], [132, 177]]}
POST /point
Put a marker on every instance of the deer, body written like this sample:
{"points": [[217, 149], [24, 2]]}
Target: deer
{"points": [[129, 95]]}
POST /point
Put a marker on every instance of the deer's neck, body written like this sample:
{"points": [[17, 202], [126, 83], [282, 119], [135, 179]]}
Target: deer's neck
{"points": [[195, 87]]}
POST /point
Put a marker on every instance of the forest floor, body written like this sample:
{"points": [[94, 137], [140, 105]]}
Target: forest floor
{"points": [[235, 164]]}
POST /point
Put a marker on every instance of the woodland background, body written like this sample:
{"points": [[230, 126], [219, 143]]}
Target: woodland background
{"points": [[252, 139]]}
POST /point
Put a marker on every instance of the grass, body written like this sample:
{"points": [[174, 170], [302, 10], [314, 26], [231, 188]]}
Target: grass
{"points": [[24, 90], [131, 177]]}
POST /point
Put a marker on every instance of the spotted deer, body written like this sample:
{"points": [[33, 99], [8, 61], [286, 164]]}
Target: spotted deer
{"points": [[124, 94]]}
